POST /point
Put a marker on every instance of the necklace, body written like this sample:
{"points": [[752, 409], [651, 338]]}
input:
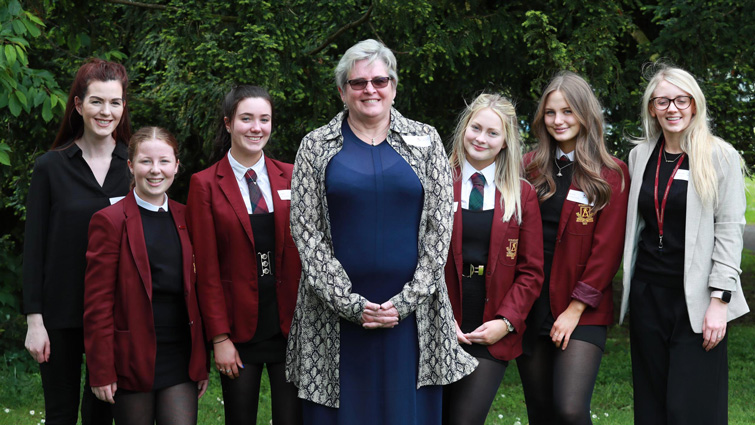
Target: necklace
{"points": [[561, 168], [372, 139], [672, 160]]}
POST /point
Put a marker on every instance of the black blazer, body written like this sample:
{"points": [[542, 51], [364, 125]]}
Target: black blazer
{"points": [[62, 198]]}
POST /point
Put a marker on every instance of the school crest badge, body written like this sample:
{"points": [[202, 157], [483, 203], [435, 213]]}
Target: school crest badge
{"points": [[585, 214], [511, 249]]}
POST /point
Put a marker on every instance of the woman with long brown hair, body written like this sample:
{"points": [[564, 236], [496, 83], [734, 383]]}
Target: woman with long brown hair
{"points": [[583, 201], [84, 171]]}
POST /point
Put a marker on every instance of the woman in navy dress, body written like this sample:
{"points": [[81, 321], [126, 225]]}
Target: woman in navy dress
{"points": [[373, 336]]}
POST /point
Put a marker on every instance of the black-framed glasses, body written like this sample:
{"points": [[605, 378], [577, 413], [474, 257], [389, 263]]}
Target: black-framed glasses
{"points": [[662, 103], [361, 83]]}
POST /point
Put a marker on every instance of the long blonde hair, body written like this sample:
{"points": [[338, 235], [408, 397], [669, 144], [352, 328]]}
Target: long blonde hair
{"points": [[590, 153], [508, 170], [698, 142]]}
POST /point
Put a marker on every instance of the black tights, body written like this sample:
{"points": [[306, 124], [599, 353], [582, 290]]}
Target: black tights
{"points": [[176, 405], [467, 401], [241, 395], [558, 384]]}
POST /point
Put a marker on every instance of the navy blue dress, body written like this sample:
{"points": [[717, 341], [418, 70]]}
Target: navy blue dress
{"points": [[375, 202]]}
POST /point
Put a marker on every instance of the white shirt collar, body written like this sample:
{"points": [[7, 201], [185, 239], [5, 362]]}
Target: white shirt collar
{"points": [[149, 207], [559, 153], [488, 172], [239, 170]]}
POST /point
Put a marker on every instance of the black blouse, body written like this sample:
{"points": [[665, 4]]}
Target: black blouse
{"points": [[665, 268], [63, 197]]}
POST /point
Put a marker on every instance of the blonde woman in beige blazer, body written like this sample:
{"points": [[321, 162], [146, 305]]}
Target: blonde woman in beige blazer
{"points": [[682, 256]]}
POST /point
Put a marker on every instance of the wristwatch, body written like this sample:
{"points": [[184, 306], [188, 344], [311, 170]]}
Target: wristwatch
{"points": [[724, 296], [509, 326]]}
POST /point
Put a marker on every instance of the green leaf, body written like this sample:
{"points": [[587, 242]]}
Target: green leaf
{"points": [[10, 54], [18, 27], [39, 97], [14, 106], [34, 19], [14, 7], [4, 158], [33, 30], [20, 96], [8, 81], [21, 55], [3, 99], [47, 110]]}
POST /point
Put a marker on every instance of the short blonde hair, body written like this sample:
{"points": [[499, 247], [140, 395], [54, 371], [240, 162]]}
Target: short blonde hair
{"points": [[371, 50]]}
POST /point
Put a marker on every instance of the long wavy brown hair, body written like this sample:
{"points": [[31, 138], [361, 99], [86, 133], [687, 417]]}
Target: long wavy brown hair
{"points": [[590, 153]]}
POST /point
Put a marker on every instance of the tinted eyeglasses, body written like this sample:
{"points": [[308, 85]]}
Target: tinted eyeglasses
{"points": [[662, 103], [361, 83]]}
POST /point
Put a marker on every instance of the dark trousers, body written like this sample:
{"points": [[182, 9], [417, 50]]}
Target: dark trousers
{"points": [[241, 395], [61, 383], [675, 380]]}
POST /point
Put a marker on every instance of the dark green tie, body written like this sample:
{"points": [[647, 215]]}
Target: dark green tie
{"points": [[476, 196]]}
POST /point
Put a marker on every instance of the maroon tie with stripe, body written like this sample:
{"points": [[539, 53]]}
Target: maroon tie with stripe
{"points": [[259, 206]]}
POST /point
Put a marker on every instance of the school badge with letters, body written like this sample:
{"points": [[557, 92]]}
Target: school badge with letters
{"points": [[511, 249], [585, 214]]}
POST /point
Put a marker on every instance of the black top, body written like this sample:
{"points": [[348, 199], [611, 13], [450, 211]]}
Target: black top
{"points": [[475, 235], [475, 245], [166, 265], [550, 211], [63, 197], [662, 268], [540, 317], [263, 228]]}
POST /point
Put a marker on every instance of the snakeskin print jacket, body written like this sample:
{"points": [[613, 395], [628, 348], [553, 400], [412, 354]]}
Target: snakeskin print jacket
{"points": [[325, 296]]}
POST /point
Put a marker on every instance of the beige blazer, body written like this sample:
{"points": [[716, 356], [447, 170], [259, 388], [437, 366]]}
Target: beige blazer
{"points": [[713, 235]]}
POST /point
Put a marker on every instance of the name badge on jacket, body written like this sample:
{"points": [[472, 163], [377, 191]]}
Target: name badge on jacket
{"points": [[418, 141], [284, 194], [578, 197], [682, 175]]}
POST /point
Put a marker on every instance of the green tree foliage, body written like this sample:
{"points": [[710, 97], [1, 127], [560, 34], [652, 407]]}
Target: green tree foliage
{"points": [[182, 56]]}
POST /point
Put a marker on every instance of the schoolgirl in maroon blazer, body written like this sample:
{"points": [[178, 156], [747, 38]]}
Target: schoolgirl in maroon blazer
{"points": [[495, 264], [248, 268], [583, 199], [142, 331]]}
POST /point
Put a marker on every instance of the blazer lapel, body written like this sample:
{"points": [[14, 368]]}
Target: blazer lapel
{"points": [[135, 232], [692, 223], [281, 208], [497, 234], [230, 187], [179, 218], [568, 211]]}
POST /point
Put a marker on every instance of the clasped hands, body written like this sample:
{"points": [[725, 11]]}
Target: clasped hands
{"points": [[376, 316]]}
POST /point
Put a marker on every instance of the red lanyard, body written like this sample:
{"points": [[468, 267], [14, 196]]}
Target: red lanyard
{"points": [[659, 212]]}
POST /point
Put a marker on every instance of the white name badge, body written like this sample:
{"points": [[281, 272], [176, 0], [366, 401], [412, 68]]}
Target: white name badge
{"points": [[418, 141], [577, 196], [285, 194], [115, 199], [682, 175], [456, 206]]}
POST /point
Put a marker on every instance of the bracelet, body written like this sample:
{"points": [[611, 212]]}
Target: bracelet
{"points": [[222, 340]]}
